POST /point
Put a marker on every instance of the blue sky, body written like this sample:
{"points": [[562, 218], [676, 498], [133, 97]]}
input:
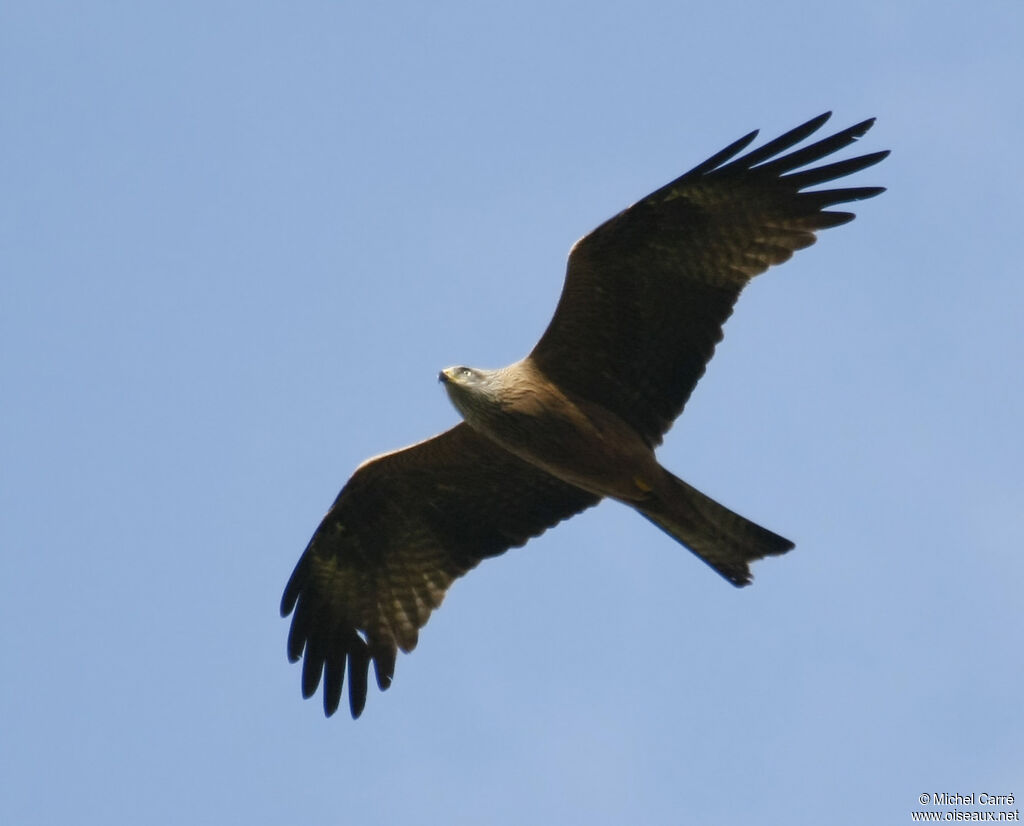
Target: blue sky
{"points": [[237, 242]]}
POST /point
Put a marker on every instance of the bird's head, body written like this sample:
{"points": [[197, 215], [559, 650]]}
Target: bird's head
{"points": [[469, 388], [460, 376]]}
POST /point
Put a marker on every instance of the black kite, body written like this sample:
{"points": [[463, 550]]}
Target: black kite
{"points": [[642, 308]]}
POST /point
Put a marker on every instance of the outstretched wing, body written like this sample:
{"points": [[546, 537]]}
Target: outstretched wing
{"points": [[403, 528], [647, 292]]}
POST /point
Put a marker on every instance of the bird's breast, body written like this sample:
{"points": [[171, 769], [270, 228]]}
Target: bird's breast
{"points": [[575, 440]]}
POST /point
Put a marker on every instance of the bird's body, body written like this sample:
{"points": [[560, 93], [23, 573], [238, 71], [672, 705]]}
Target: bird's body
{"points": [[591, 448], [571, 438], [577, 420]]}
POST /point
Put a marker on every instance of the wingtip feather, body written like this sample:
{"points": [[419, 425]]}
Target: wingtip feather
{"points": [[859, 129], [724, 155]]}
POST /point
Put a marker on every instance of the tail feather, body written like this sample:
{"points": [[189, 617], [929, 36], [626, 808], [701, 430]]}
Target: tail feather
{"points": [[723, 539]]}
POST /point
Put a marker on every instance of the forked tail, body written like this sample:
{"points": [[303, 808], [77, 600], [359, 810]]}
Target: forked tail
{"points": [[723, 539]]}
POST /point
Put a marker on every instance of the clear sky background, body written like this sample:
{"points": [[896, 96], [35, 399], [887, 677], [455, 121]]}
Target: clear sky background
{"points": [[237, 242]]}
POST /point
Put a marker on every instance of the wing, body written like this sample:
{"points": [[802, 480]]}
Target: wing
{"points": [[403, 528], [647, 292]]}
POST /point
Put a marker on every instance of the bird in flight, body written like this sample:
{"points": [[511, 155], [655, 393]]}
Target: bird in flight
{"points": [[643, 304]]}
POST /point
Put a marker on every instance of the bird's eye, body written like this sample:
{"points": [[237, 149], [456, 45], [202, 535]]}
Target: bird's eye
{"points": [[465, 372]]}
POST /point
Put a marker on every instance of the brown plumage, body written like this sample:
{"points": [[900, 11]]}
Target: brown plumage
{"points": [[642, 308]]}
